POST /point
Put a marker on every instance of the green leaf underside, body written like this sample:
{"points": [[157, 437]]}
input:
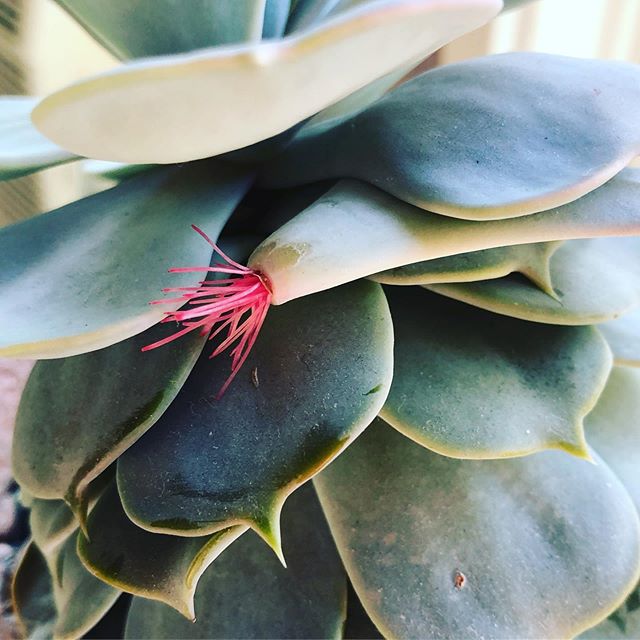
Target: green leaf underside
{"points": [[372, 231], [160, 109], [84, 279], [594, 281], [613, 427], [622, 624], [562, 127], [153, 565], [32, 595], [623, 336], [157, 27], [246, 593], [68, 429], [531, 260], [469, 384], [537, 547], [23, 149], [318, 374]]}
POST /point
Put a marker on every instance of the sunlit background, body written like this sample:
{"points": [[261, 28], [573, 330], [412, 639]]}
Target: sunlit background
{"points": [[42, 49]]}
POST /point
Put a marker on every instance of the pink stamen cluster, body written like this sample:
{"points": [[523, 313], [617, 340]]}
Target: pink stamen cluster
{"points": [[237, 304]]}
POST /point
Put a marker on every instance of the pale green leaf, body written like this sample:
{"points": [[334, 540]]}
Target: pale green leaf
{"points": [[371, 231], [23, 149], [246, 593], [593, 281], [156, 27], [443, 142], [80, 278], [623, 336], [468, 384], [189, 106], [543, 546], [317, 375]]}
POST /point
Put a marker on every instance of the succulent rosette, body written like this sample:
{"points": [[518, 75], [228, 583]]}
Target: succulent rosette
{"points": [[424, 295]]}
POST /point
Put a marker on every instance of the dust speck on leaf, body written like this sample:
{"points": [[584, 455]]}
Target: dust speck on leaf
{"points": [[459, 580]]}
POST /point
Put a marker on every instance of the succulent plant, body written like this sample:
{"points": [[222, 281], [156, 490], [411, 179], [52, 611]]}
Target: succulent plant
{"points": [[422, 294]]}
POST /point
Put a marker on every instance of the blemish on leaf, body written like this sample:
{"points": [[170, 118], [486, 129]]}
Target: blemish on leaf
{"points": [[390, 538], [459, 580], [374, 390], [254, 377]]}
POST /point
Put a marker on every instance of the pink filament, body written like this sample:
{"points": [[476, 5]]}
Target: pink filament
{"points": [[238, 303]]}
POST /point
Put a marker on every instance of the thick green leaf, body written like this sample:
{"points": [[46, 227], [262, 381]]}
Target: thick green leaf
{"points": [[276, 13], [561, 128], [537, 547], [80, 598], [32, 595], [51, 522], [372, 232], [622, 624], [318, 374], [247, 594], [593, 280], [80, 278], [531, 260], [613, 427], [468, 384], [156, 27], [190, 106], [153, 565], [70, 427], [23, 149], [623, 336]]}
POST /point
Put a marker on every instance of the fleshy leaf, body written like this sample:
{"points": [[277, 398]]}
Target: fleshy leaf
{"points": [[23, 149], [276, 13], [537, 547], [610, 287], [70, 429], [153, 565], [157, 27], [372, 232], [32, 595], [613, 427], [562, 127], [80, 598], [84, 278], [318, 374], [247, 594], [622, 624], [531, 260], [161, 109], [51, 522], [623, 336], [469, 384]]}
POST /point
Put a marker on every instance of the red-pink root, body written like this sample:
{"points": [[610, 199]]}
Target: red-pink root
{"points": [[237, 305]]}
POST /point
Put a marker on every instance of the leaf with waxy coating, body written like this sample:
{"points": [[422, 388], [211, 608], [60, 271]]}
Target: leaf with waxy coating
{"points": [[84, 279], [276, 13], [622, 624], [23, 149], [195, 105], [157, 27], [51, 522], [562, 127], [247, 594], [536, 547], [531, 260], [469, 384], [613, 427], [317, 375], [594, 281], [32, 595], [623, 336], [153, 565], [80, 598], [69, 430], [372, 231]]}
